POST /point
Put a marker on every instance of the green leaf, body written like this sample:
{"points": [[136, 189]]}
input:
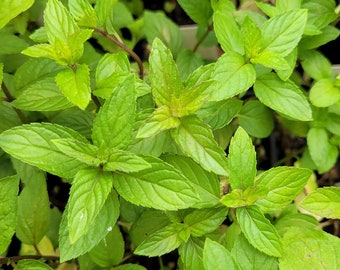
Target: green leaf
{"points": [[33, 144], [241, 160], [309, 249], [161, 242], [191, 253], [130, 266], [12, 8], [217, 257], [42, 50], [218, 114], [110, 64], [33, 217], [44, 95], [83, 12], [324, 202], [249, 257], [164, 77], [10, 43], [252, 37], [192, 99], [160, 187], [205, 183], [316, 65], [160, 120], [28, 264], [9, 188], [102, 253], [328, 34], [291, 59], [203, 221], [285, 97], [333, 123], [75, 85], [102, 225], [158, 26], [9, 117], [284, 223], [227, 32], [259, 231], [256, 119], [199, 11], [283, 32], [187, 61], [196, 140], [323, 153], [284, 184], [103, 10], [59, 23], [323, 93], [113, 126], [270, 59], [233, 76], [268, 9], [126, 162], [147, 223], [240, 198], [89, 191], [84, 152]]}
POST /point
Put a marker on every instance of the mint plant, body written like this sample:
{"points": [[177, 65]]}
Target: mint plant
{"points": [[164, 156]]}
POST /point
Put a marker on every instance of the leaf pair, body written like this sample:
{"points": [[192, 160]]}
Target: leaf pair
{"points": [[175, 110]]}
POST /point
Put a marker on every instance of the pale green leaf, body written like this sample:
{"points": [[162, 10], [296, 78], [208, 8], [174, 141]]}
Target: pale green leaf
{"points": [[103, 10], [323, 93], [323, 153], [191, 253], [84, 152], [83, 12], [160, 187], [196, 140], [258, 230], [12, 8], [284, 184], [30, 264], [249, 258], [241, 160], [41, 50], [203, 221], [160, 120], [164, 77], [158, 26], [130, 266], [268, 9], [256, 119], [233, 76], [217, 257], [161, 242], [110, 250], [285, 97], [309, 249], [75, 85], [201, 74], [33, 217], [126, 162], [205, 183], [113, 126], [199, 11], [89, 191], [282, 33], [102, 225], [9, 187], [192, 98], [291, 59], [324, 202], [285, 5], [252, 37], [270, 59], [227, 32], [33, 144], [285, 222], [44, 95], [239, 198], [218, 114], [58, 21]]}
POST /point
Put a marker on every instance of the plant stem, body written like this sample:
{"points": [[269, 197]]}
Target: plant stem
{"points": [[10, 98], [37, 250], [205, 35], [96, 101], [125, 48]]}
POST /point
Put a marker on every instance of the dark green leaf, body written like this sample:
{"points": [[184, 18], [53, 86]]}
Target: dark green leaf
{"points": [[29, 264], [187, 61], [328, 34], [199, 11], [10, 43], [191, 253]]}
